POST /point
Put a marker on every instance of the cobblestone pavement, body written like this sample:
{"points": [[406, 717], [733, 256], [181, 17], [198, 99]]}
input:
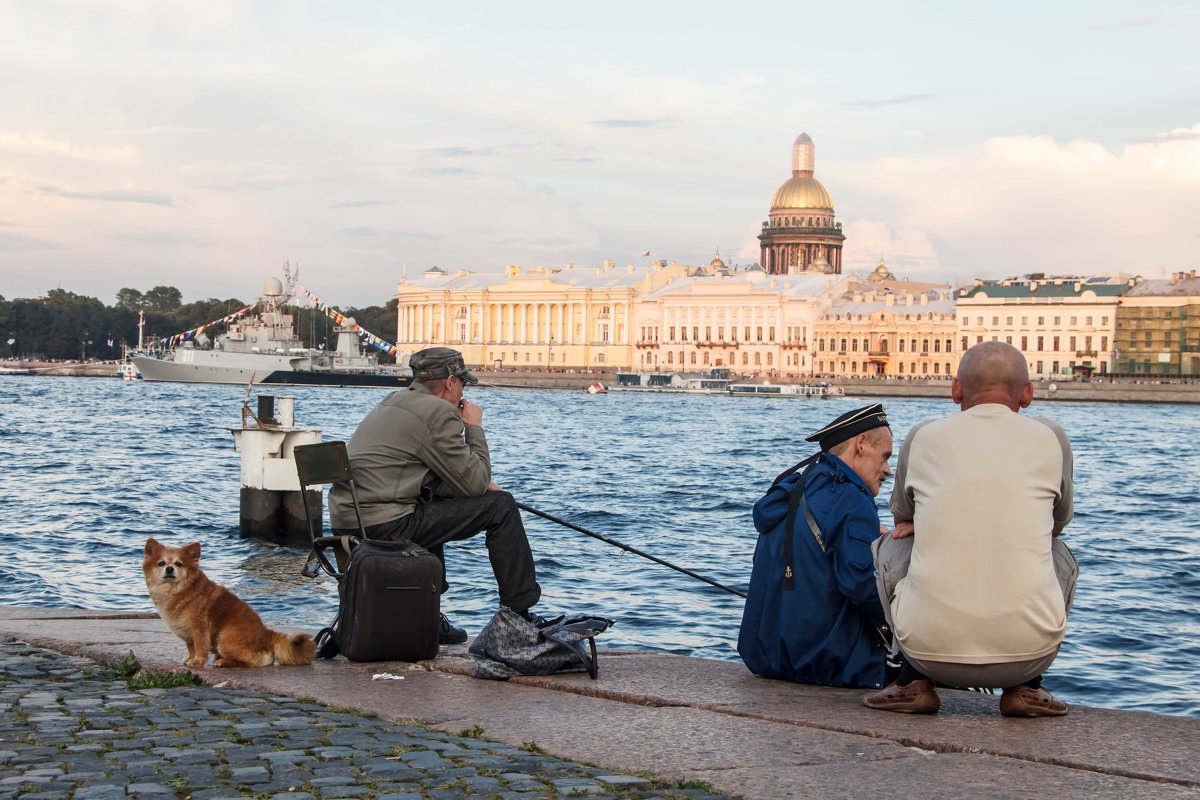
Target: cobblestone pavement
{"points": [[73, 730]]}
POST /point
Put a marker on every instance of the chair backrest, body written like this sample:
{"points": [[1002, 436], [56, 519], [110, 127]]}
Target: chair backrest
{"points": [[327, 462]]}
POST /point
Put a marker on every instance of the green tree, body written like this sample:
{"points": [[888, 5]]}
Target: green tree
{"points": [[163, 298], [131, 299]]}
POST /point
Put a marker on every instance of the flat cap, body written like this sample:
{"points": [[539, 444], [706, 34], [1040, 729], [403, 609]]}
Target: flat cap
{"points": [[849, 425], [434, 363]]}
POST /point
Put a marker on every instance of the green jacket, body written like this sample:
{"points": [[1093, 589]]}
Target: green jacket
{"points": [[412, 441]]}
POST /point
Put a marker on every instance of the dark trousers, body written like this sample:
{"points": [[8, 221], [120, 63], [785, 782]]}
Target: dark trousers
{"points": [[453, 519]]}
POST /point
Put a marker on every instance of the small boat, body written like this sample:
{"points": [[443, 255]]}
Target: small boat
{"points": [[783, 390], [128, 372], [596, 388]]}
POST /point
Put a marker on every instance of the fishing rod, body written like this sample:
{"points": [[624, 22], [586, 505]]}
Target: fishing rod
{"points": [[628, 549]]}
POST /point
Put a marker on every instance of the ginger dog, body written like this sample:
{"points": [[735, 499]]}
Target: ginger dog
{"points": [[210, 618]]}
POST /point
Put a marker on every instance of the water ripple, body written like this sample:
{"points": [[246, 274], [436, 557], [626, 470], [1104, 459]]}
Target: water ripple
{"points": [[91, 468]]}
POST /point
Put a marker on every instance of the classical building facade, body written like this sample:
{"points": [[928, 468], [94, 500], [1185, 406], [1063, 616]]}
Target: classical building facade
{"points": [[1158, 327], [1065, 325], [544, 317], [667, 317], [749, 322], [800, 233], [906, 335]]}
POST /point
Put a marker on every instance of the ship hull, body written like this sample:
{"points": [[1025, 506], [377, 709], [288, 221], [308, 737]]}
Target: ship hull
{"points": [[272, 370]]}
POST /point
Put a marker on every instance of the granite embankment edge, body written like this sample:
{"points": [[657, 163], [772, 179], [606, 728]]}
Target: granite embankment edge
{"points": [[1069, 391], [699, 719]]}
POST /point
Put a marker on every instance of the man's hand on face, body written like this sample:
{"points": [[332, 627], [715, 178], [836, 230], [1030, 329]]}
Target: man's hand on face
{"points": [[470, 413]]}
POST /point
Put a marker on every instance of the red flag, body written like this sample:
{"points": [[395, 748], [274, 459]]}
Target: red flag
{"points": [[645, 253]]}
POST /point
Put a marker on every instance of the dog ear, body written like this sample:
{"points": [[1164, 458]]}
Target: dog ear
{"points": [[151, 546], [192, 551]]}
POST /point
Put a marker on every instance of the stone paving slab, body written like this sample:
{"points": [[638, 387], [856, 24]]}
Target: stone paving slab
{"points": [[1130, 743], [948, 776], [711, 720]]}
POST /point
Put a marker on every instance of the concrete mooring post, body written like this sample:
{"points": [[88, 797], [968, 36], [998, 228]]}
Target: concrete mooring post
{"points": [[272, 505]]}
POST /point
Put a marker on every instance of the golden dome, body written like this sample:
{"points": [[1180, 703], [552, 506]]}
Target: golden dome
{"points": [[802, 191]]}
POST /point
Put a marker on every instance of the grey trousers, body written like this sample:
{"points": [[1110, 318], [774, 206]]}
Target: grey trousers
{"points": [[892, 557]]}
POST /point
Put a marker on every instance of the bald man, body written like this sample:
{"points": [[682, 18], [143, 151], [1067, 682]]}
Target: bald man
{"points": [[975, 582]]}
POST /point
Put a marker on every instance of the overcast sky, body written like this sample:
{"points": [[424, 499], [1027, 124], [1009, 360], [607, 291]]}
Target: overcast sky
{"points": [[203, 144]]}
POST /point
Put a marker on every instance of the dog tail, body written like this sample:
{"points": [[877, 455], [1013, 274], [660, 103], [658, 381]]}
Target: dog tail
{"points": [[297, 649]]}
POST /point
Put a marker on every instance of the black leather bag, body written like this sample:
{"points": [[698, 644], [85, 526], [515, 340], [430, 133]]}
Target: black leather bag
{"points": [[510, 645], [390, 599]]}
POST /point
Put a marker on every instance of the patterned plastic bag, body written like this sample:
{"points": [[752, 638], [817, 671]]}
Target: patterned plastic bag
{"points": [[510, 645]]}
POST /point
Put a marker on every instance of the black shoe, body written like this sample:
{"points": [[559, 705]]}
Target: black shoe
{"points": [[450, 634], [537, 620]]}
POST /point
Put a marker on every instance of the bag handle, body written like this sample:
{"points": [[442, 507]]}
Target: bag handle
{"points": [[576, 645], [318, 561]]}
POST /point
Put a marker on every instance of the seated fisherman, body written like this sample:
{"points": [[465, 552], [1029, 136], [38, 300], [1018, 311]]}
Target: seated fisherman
{"points": [[974, 577], [423, 473], [813, 613]]}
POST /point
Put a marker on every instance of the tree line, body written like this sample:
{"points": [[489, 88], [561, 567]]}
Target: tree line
{"points": [[68, 326]]}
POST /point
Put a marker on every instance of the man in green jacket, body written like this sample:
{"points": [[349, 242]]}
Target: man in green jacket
{"points": [[423, 473]]}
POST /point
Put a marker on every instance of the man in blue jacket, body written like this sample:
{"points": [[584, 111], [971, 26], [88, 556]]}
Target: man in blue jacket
{"points": [[813, 613]]}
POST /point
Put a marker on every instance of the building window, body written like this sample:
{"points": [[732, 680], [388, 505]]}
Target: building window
{"points": [[1008, 321], [901, 368], [964, 343], [770, 358], [758, 330], [924, 369], [937, 345], [854, 345], [693, 357], [1039, 368], [1024, 343], [936, 366], [696, 333], [1104, 343], [924, 347]]}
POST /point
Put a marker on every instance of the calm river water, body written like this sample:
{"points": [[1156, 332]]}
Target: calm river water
{"points": [[90, 468]]}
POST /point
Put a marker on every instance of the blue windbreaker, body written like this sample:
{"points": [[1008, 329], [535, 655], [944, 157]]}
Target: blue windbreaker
{"points": [[822, 630]]}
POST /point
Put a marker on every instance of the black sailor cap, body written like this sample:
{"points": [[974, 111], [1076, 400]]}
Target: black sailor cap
{"points": [[849, 425]]}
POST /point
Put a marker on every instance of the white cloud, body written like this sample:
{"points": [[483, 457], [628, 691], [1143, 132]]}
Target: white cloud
{"points": [[1021, 204], [37, 145]]}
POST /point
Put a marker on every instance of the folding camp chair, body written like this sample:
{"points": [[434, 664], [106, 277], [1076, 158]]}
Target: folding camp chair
{"points": [[318, 464]]}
